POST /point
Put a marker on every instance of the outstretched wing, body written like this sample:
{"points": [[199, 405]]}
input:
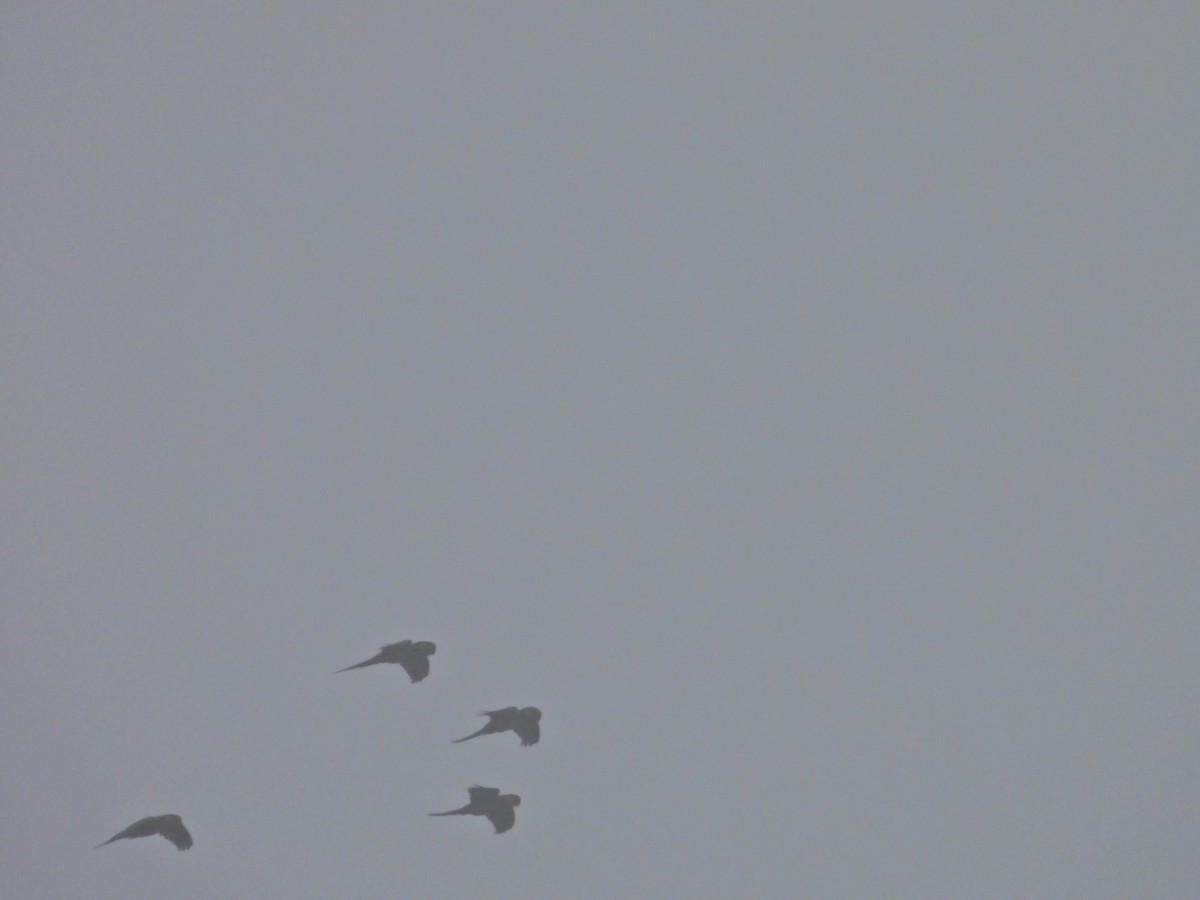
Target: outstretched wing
{"points": [[416, 665], [528, 730], [482, 794], [500, 713], [502, 816], [171, 827]]}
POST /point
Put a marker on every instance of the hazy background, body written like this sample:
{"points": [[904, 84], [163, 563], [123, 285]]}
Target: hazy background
{"points": [[800, 407]]}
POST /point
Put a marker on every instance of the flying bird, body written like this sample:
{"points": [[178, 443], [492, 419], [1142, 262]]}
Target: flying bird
{"points": [[169, 826], [413, 656], [524, 722], [500, 809]]}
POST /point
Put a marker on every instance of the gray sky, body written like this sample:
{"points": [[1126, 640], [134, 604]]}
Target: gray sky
{"points": [[799, 407]]}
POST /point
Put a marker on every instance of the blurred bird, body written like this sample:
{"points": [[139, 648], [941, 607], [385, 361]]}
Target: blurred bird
{"points": [[522, 721], [500, 809], [169, 826], [414, 658]]}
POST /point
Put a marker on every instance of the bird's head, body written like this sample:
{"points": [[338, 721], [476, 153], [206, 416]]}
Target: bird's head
{"points": [[427, 647]]}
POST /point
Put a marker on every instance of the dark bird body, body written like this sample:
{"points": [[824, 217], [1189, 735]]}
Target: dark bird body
{"points": [[500, 809], [169, 826], [523, 722], [414, 657]]}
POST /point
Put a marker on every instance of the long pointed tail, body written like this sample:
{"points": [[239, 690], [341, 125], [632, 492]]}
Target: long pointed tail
{"points": [[369, 662], [486, 729], [454, 812], [106, 843]]}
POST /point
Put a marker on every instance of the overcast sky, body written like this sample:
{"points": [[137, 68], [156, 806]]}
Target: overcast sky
{"points": [[797, 402]]}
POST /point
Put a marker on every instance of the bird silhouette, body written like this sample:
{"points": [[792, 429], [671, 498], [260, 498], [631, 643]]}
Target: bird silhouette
{"points": [[499, 808], [169, 826], [524, 722], [414, 657]]}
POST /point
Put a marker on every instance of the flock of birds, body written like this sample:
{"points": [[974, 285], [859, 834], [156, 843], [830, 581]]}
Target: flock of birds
{"points": [[413, 656]]}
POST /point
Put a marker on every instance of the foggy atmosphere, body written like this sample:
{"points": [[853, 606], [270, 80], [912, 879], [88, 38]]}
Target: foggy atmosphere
{"points": [[730, 450]]}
